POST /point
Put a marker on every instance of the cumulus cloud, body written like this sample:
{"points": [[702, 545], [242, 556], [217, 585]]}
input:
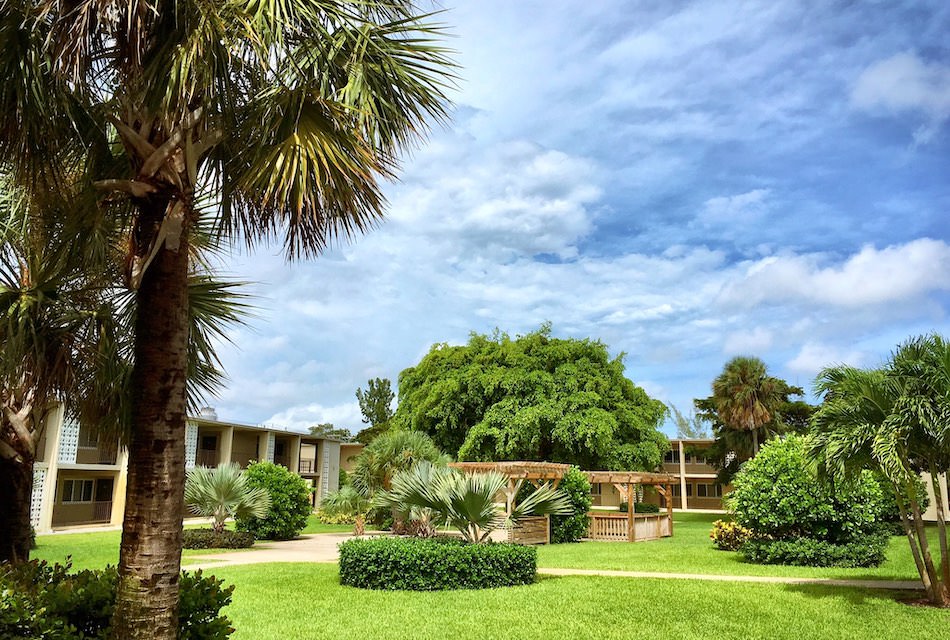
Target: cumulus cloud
{"points": [[757, 340], [302, 417], [813, 357], [738, 210]]}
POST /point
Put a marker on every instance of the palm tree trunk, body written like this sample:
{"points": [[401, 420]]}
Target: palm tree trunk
{"points": [[150, 554], [941, 527], [914, 545], [939, 596], [16, 485]]}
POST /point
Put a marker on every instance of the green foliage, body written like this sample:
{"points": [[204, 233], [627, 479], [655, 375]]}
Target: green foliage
{"points": [[729, 536], [223, 492], [890, 512], [376, 407], [694, 426], [868, 551], [466, 501], [211, 539], [38, 600], [289, 502], [639, 507], [775, 495], [327, 430], [573, 527], [389, 453], [532, 398], [434, 564], [327, 517]]}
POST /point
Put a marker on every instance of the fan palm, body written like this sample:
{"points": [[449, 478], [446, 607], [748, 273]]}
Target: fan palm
{"points": [[390, 453], [284, 115], [466, 502], [746, 398], [894, 420], [222, 493]]}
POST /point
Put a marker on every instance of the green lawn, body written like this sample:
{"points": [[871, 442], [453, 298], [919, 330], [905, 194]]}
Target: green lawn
{"points": [[300, 602], [690, 551], [303, 601]]}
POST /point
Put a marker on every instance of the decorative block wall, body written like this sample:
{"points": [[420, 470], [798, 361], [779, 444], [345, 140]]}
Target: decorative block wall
{"points": [[191, 444], [68, 442], [36, 499], [271, 440]]}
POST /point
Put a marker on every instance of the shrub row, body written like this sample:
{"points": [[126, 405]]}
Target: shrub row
{"points": [[335, 518], [640, 507], [809, 552], [434, 564], [210, 539], [42, 601]]}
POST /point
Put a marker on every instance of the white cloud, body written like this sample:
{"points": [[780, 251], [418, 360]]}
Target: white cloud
{"points": [[736, 211], [813, 356], [892, 275], [746, 342], [302, 417]]}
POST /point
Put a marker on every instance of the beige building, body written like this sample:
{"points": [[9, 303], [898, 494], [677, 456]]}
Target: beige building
{"points": [[79, 478]]}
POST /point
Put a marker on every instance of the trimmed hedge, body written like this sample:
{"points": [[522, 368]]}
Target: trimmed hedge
{"points": [[434, 564], [640, 507], [38, 600], [289, 502], [809, 552], [209, 539]]}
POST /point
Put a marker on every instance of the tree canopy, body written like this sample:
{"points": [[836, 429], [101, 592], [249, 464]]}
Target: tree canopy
{"points": [[376, 407], [327, 430], [534, 397]]}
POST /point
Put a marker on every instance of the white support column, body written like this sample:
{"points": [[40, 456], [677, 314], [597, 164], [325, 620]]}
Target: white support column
{"points": [[54, 428], [293, 454], [119, 488], [683, 503]]}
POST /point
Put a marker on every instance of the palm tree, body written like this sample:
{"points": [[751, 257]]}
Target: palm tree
{"points": [[350, 502], [895, 420], [222, 493], [282, 115], [389, 453], [746, 398], [466, 501]]}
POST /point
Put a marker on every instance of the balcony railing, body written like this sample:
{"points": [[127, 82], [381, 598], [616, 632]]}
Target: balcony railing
{"points": [[307, 466], [102, 510], [206, 458]]}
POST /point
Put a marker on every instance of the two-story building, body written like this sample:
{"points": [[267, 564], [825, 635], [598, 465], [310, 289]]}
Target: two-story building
{"points": [[80, 478]]}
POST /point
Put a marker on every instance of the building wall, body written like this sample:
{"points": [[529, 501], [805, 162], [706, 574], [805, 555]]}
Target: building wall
{"points": [[244, 447], [931, 513], [348, 453]]}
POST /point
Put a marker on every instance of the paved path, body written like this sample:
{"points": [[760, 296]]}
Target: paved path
{"points": [[322, 547]]}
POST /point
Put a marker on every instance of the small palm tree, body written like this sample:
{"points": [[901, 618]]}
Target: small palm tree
{"points": [[222, 492], [350, 502], [746, 398], [390, 453], [466, 502]]}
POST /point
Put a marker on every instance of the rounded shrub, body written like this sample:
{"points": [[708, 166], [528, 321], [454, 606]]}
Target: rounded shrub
{"points": [[729, 536], [575, 526], [796, 518], [434, 564], [289, 502]]}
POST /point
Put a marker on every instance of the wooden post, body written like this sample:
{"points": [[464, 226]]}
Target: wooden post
{"points": [[631, 528], [669, 505]]}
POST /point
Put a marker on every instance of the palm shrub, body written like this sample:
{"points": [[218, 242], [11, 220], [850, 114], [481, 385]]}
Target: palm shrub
{"points": [[289, 502], [349, 503], [779, 499], [223, 492], [466, 502], [389, 453]]}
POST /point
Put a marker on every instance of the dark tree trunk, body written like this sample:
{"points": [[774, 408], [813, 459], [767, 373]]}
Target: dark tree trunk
{"points": [[16, 487], [150, 555]]}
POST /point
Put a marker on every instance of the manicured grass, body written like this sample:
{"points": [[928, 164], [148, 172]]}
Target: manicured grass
{"points": [[691, 551], [300, 602], [97, 549]]}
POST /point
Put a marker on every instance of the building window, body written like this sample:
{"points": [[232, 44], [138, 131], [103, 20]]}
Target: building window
{"points": [[209, 443], [709, 490], [595, 489], [77, 491], [88, 438], [672, 457]]}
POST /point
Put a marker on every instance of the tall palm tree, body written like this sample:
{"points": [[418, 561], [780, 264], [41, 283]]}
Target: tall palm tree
{"points": [[283, 115], [895, 420], [746, 398]]}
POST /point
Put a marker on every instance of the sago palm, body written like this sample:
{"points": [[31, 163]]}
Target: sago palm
{"points": [[222, 492], [281, 116]]}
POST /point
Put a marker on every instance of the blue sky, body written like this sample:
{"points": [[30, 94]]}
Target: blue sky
{"points": [[686, 181]]}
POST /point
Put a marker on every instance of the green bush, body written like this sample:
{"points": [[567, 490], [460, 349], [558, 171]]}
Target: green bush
{"points": [[640, 507], [575, 526], [335, 518], [210, 539], [434, 564], [890, 512], [38, 600], [729, 536], [869, 551], [774, 494], [289, 502]]}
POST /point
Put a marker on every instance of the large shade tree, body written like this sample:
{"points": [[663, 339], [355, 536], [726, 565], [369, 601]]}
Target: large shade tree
{"points": [[895, 420], [534, 397], [277, 117]]}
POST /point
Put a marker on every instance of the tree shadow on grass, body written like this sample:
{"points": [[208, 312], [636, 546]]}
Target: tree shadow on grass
{"points": [[854, 595]]}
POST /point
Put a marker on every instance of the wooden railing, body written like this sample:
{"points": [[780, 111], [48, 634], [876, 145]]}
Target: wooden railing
{"points": [[614, 526]]}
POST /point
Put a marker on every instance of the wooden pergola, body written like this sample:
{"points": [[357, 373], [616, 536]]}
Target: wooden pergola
{"points": [[632, 526], [531, 530]]}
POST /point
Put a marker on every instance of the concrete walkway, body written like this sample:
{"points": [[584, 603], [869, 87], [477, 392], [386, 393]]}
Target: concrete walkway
{"points": [[322, 547]]}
